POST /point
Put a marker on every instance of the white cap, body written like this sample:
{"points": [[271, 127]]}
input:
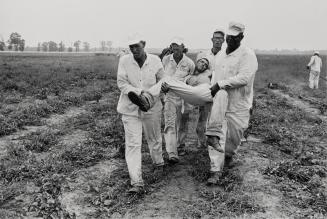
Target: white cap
{"points": [[316, 52], [202, 55], [177, 40], [134, 39], [235, 28], [221, 30]]}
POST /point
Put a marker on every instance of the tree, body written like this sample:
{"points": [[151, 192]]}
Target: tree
{"points": [[15, 41], [61, 47], [52, 46], [39, 47], [86, 46], [70, 49], [103, 45], [21, 45], [76, 45], [2, 45], [45, 46]]}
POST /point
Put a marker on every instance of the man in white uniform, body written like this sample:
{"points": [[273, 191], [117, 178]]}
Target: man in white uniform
{"points": [[138, 72], [234, 73], [218, 38], [180, 67], [315, 66]]}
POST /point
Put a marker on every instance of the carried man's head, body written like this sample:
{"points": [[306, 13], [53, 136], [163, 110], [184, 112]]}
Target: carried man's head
{"points": [[202, 64], [234, 35], [218, 38], [136, 44], [177, 45]]}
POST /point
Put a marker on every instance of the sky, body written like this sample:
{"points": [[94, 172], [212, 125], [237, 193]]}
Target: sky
{"points": [[270, 24]]}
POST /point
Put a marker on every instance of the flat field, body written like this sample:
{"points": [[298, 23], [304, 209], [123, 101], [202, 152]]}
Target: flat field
{"points": [[62, 147]]}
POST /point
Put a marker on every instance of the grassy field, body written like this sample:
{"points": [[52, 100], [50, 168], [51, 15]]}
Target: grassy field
{"points": [[61, 147]]}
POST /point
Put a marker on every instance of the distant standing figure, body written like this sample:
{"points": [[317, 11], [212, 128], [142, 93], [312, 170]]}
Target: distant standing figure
{"points": [[314, 65]]}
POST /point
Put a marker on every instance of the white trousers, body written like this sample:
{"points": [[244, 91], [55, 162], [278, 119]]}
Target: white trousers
{"points": [[228, 126], [133, 141], [314, 79]]}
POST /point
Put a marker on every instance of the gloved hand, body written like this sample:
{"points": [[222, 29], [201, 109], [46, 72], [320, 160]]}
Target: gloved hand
{"points": [[308, 67], [214, 89], [164, 87]]}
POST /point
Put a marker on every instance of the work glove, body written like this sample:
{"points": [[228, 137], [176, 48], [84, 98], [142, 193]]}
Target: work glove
{"points": [[164, 87], [214, 89]]}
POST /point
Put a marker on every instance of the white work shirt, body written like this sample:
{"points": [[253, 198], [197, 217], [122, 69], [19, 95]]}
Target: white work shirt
{"points": [[235, 73], [130, 77], [315, 63], [181, 71]]}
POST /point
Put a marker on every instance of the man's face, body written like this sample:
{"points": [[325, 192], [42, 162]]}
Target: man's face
{"points": [[177, 49], [234, 41], [137, 50], [217, 40], [202, 65]]}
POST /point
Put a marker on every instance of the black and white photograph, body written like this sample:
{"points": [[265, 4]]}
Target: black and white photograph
{"points": [[187, 109]]}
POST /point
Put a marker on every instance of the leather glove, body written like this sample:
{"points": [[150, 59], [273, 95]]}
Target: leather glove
{"points": [[214, 89]]}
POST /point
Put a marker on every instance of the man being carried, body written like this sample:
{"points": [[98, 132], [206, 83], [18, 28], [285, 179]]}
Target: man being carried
{"points": [[202, 75], [217, 42]]}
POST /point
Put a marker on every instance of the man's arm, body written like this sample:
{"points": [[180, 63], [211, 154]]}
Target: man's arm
{"points": [[190, 72], [311, 62], [192, 68], [122, 80], [248, 67], [160, 70]]}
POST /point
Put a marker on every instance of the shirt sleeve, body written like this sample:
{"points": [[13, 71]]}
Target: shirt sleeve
{"points": [[311, 61], [247, 69], [161, 72], [164, 61], [192, 67], [122, 80]]}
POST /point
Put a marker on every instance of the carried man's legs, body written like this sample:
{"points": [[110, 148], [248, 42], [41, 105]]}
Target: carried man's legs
{"points": [[195, 95]]}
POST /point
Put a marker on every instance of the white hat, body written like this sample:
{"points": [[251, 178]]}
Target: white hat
{"points": [[316, 52], [235, 28], [134, 39], [221, 30], [177, 40], [202, 55]]}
